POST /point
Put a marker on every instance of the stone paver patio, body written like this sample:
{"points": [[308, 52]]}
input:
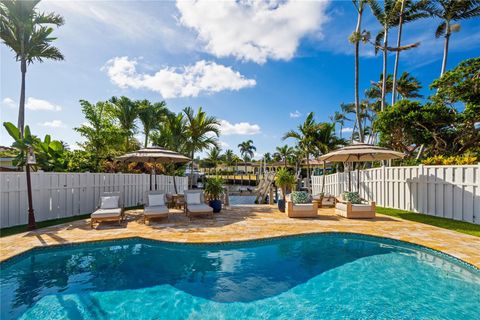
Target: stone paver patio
{"points": [[245, 223]]}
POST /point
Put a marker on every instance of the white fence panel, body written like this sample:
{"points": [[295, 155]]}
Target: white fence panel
{"points": [[444, 191], [61, 195]]}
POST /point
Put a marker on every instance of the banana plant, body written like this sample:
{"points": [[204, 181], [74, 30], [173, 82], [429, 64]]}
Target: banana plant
{"points": [[22, 144]]}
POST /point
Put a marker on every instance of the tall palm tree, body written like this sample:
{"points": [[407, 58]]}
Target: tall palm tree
{"points": [[151, 116], [285, 152], [267, 157], [326, 140], [450, 11], [28, 33], [201, 130], [356, 37], [388, 17], [125, 111], [247, 151], [409, 11], [305, 137], [339, 117]]}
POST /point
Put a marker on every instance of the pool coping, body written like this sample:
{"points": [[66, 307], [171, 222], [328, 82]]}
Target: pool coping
{"points": [[438, 253]]}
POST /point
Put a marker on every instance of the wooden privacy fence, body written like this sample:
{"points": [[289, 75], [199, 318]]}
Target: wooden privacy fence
{"points": [[60, 195], [444, 191]]}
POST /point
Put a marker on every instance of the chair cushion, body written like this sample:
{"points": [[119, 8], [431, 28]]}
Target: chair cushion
{"points": [[195, 208], [193, 198], [154, 210], [353, 197], [106, 213], [156, 200], [303, 207], [299, 197], [109, 202]]}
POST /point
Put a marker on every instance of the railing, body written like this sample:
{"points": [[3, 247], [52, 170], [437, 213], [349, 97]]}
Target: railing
{"points": [[61, 195], [444, 191]]}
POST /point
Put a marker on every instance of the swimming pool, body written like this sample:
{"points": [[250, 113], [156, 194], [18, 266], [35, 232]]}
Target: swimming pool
{"points": [[324, 276], [236, 200]]}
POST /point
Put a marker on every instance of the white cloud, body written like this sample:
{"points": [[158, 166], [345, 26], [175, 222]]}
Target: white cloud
{"points": [[223, 144], [253, 30], [347, 129], [53, 124], [9, 102], [295, 114], [188, 81], [43, 105], [241, 128]]}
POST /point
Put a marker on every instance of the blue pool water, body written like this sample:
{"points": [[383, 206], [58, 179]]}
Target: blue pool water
{"points": [[236, 200], [329, 276]]}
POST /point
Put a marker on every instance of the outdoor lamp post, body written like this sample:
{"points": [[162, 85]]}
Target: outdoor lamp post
{"points": [[30, 161]]}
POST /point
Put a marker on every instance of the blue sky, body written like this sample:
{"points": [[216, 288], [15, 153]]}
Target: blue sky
{"points": [[260, 68]]}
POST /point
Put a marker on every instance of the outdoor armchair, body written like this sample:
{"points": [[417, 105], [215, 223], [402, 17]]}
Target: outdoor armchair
{"points": [[195, 204], [347, 209], [110, 208], [155, 206]]}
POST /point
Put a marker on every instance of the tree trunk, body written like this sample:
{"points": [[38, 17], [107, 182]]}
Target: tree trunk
{"points": [[384, 72], [146, 139], [397, 54], [357, 72], [191, 171], [308, 173], [445, 48], [21, 106]]}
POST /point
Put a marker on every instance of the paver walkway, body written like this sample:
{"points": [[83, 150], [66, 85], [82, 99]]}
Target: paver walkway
{"points": [[245, 223]]}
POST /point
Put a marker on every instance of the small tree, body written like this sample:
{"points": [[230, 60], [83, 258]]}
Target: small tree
{"points": [[285, 180]]}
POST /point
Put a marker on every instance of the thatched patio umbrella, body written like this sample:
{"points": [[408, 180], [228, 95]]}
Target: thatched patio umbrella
{"points": [[360, 152], [155, 155]]}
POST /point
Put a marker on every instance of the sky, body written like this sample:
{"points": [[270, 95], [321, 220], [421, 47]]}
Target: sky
{"points": [[259, 67]]}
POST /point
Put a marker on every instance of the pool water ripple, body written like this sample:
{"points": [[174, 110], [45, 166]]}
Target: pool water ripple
{"points": [[314, 277]]}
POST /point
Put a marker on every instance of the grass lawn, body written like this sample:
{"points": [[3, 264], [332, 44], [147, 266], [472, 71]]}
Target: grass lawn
{"points": [[459, 226]]}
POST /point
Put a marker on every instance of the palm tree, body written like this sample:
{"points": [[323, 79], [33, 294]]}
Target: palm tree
{"points": [[340, 118], [326, 140], [450, 11], [201, 130], [172, 133], [356, 37], [28, 34], [151, 115], [267, 157], [214, 157], [407, 87], [126, 112], [285, 152], [409, 11], [247, 151], [388, 16], [305, 137]]}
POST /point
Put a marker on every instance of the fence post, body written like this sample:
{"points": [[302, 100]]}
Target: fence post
{"points": [[421, 188]]}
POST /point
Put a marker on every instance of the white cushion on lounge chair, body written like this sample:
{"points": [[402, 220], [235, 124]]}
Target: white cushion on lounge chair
{"points": [[156, 200], [303, 207], [193, 198], [105, 213], [341, 206], [154, 210], [195, 208], [109, 202]]}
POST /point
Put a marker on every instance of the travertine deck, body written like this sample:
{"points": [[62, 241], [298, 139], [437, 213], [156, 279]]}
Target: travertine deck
{"points": [[243, 223]]}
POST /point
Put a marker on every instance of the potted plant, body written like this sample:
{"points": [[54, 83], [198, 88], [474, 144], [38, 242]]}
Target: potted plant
{"points": [[285, 180], [214, 190]]}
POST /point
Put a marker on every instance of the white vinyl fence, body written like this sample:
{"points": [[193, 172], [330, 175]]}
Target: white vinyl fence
{"points": [[444, 191], [60, 195]]}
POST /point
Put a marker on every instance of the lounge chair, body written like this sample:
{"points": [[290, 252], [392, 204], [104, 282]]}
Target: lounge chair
{"points": [[347, 209], [301, 210], [155, 206], [195, 204], [110, 208]]}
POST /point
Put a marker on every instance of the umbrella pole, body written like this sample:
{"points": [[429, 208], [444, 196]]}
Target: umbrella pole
{"points": [[155, 168], [349, 179], [174, 183], [151, 179], [358, 178]]}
